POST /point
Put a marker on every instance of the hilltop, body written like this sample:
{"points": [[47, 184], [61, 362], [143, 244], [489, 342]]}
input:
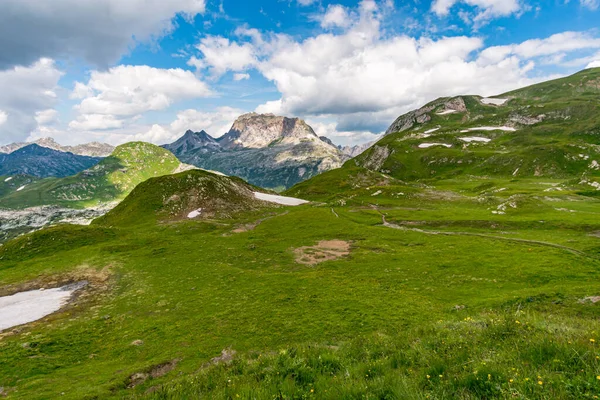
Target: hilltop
{"points": [[108, 181], [410, 275], [264, 149], [549, 130], [93, 149]]}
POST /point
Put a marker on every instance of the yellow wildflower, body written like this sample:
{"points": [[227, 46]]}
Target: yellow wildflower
{"points": [[592, 340], [540, 383]]}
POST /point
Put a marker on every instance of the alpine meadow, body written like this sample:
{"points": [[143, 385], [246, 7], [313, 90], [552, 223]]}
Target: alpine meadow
{"points": [[243, 254]]}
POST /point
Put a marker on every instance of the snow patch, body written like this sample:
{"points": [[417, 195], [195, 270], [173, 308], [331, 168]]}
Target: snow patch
{"points": [[21, 188], [496, 102], [286, 201], [446, 112], [8, 179], [490, 128], [25, 307], [428, 145], [431, 131], [195, 213], [470, 139], [377, 193]]}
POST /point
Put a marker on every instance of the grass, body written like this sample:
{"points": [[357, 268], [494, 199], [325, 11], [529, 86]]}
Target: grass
{"points": [[476, 288], [401, 306]]}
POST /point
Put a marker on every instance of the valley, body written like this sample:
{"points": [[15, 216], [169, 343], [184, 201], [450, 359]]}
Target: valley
{"points": [[457, 257]]}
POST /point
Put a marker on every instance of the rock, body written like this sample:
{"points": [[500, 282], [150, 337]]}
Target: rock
{"points": [[375, 159], [137, 342]]}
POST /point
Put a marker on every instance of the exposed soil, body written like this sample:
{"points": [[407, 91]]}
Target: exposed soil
{"points": [[155, 372], [325, 250]]}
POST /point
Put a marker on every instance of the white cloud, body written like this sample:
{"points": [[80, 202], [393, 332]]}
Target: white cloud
{"points": [[99, 31], [306, 2], [591, 4], [215, 123], [25, 92], [220, 55], [335, 16], [46, 117], [3, 117], [487, 9], [241, 77], [593, 64], [127, 91], [363, 78]]}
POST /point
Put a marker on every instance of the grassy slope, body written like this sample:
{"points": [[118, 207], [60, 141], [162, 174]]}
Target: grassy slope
{"points": [[112, 179], [378, 321], [475, 293]]}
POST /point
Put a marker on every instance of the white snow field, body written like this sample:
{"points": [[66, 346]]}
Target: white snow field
{"points": [[496, 102], [428, 145], [286, 201], [490, 128], [470, 139], [25, 307]]}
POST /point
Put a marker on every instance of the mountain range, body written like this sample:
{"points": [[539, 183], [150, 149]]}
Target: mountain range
{"points": [[264, 149], [93, 149], [457, 257]]}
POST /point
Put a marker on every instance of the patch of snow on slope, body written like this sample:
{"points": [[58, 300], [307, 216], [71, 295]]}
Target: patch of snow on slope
{"points": [[496, 102], [21, 188], [470, 139], [25, 307], [195, 213], [431, 131], [286, 201], [8, 179], [490, 128], [446, 112], [428, 145]]}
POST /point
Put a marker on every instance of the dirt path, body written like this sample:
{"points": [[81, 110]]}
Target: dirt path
{"points": [[483, 235]]}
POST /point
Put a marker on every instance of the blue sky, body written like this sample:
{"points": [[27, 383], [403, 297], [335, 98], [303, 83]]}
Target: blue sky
{"points": [[116, 71]]}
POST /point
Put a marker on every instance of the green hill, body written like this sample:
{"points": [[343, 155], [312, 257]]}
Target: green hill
{"points": [[472, 282], [549, 130], [110, 180], [187, 195]]}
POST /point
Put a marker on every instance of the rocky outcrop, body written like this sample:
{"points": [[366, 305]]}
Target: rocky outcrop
{"points": [[354, 151], [192, 141], [264, 149]]}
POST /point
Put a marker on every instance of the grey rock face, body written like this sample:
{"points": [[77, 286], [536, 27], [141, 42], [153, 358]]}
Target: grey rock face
{"points": [[17, 222], [264, 149], [353, 151]]}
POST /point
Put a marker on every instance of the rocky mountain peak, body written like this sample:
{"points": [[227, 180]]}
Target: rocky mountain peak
{"points": [[255, 131]]}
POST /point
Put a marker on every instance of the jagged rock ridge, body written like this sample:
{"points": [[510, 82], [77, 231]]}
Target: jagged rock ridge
{"points": [[264, 149]]}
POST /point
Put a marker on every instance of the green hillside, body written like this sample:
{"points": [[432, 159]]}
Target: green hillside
{"points": [[111, 179], [174, 197], [409, 275]]}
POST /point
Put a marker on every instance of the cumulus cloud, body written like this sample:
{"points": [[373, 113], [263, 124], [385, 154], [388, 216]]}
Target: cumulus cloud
{"points": [[98, 31], [3, 117], [220, 55], [241, 77], [25, 92], [487, 9], [335, 16], [215, 123], [126, 91], [593, 64], [363, 79]]}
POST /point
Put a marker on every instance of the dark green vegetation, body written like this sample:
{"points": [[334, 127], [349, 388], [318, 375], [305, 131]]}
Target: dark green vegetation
{"points": [[463, 286], [111, 179], [42, 162]]}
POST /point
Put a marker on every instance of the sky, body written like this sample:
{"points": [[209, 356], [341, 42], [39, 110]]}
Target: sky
{"points": [[124, 70]]}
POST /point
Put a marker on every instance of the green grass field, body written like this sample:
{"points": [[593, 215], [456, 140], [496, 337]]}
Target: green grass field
{"points": [[449, 300]]}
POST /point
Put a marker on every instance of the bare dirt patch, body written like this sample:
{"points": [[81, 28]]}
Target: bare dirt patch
{"points": [[155, 372], [325, 250]]}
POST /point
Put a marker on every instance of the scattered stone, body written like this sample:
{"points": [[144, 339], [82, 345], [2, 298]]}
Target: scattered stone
{"points": [[137, 342], [591, 299]]}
